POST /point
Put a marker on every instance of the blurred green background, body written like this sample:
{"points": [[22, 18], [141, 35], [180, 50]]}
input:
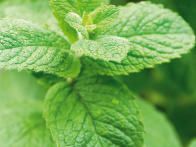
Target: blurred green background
{"points": [[170, 87]]}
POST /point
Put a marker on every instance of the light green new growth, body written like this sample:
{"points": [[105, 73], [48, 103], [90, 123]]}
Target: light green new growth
{"points": [[102, 16], [97, 111], [24, 46], [75, 21], [62, 7], [156, 35], [106, 48]]}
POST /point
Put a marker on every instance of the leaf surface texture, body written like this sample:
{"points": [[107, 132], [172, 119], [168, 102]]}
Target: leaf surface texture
{"points": [[25, 46], [156, 35], [96, 112]]}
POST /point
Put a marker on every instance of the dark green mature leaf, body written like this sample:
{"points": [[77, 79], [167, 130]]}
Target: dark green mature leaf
{"points": [[24, 46], [98, 111], [62, 7], [158, 131], [156, 35], [22, 124]]}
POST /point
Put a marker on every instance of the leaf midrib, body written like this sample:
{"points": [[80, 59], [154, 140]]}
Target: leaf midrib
{"points": [[90, 116]]}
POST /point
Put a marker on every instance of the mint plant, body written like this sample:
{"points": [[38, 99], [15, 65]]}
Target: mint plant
{"points": [[95, 43]]}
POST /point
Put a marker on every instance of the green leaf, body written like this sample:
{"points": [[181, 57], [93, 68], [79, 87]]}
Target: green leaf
{"points": [[97, 111], [156, 35], [75, 21], [106, 48], [24, 46], [193, 143], [158, 130], [78, 6], [22, 124], [102, 16], [62, 7]]}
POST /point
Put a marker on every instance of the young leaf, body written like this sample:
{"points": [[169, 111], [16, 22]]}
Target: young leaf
{"points": [[75, 21], [105, 14], [96, 112], [24, 46], [158, 131], [156, 35], [62, 7], [106, 48], [102, 16], [193, 143], [22, 123]]}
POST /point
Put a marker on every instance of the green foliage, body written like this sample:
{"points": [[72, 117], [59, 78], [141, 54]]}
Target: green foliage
{"points": [[153, 39], [76, 59], [26, 46], [75, 21], [106, 48], [96, 111], [172, 86], [158, 130], [102, 16], [62, 7], [22, 124]]}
